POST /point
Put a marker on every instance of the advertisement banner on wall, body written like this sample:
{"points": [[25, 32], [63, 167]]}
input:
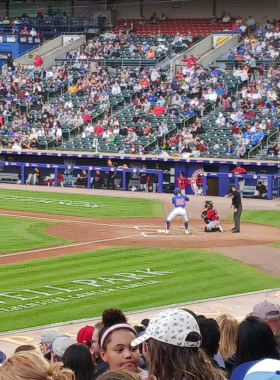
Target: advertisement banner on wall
{"points": [[219, 39], [8, 38], [69, 39], [30, 40], [4, 54]]}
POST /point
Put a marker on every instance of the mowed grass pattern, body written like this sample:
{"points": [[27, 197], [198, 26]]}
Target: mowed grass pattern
{"points": [[267, 217], [114, 207], [19, 234], [196, 275]]}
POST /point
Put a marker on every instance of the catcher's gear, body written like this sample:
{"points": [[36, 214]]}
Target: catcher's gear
{"points": [[210, 203], [203, 214], [177, 191]]}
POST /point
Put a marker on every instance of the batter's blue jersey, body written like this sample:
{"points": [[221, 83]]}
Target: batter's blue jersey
{"points": [[180, 201]]}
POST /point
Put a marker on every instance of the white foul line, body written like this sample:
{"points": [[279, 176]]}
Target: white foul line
{"points": [[65, 246], [68, 221]]}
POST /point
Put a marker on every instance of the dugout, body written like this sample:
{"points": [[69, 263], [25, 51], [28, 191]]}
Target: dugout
{"points": [[170, 167]]}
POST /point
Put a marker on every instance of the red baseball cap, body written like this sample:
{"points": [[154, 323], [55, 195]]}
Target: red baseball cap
{"points": [[85, 335]]}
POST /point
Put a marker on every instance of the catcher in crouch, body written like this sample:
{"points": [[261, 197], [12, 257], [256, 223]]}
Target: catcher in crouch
{"points": [[211, 218]]}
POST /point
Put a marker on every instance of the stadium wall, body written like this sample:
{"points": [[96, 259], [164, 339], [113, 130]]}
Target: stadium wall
{"points": [[48, 51], [170, 166], [202, 9]]}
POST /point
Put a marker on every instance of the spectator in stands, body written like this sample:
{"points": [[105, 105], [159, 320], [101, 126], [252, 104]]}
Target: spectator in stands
{"points": [[271, 150], [210, 333], [116, 332], [34, 145], [228, 326], [168, 357], [255, 341], [77, 358], [229, 148], [257, 136], [251, 24], [195, 151], [240, 149], [31, 365], [38, 60]]}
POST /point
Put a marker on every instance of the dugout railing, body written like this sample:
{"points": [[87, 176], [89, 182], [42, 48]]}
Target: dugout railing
{"points": [[272, 182], [20, 171]]}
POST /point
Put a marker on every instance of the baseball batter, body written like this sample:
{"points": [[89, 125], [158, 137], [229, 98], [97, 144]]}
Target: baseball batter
{"points": [[179, 201], [211, 217]]}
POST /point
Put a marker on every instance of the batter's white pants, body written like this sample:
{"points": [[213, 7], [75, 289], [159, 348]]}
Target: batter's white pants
{"points": [[212, 224], [257, 193], [178, 211], [197, 190], [144, 187]]}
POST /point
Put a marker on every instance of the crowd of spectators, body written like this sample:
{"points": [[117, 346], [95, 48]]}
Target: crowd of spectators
{"points": [[82, 90], [174, 344]]}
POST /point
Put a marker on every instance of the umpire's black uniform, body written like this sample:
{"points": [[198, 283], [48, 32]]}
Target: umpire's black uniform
{"points": [[236, 201]]}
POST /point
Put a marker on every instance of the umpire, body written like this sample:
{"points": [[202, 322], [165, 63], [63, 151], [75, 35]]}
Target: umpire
{"points": [[236, 202]]}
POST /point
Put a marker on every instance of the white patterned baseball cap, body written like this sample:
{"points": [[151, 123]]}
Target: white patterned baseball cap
{"points": [[171, 326]]}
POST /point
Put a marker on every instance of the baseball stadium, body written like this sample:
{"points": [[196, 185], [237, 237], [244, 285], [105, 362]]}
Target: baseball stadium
{"points": [[139, 173]]}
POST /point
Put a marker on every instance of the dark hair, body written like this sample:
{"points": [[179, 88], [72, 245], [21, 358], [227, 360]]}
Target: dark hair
{"points": [[255, 341], [78, 358], [25, 347], [145, 322], [110, 317], [168, 361], [210, 333]]}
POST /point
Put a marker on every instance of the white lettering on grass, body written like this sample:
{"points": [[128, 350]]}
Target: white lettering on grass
{"points": [[42, 293], [64, 290], [87, 282], [112, 280], [17, 296], [157, 273]]}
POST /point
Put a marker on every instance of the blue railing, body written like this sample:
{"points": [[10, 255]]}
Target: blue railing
{"points": [[23, 166]]}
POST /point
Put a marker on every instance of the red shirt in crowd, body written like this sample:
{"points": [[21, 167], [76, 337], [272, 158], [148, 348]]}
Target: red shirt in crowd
{"points": [[98, 130], [38, 61]]}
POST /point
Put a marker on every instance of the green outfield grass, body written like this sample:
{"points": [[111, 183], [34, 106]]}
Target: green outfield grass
{"points": [[19, 234], [80, 205], [97, 283], [267, 217]]}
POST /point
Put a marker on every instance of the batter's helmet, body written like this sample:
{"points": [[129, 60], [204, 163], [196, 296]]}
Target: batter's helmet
{"points": [[177, 191], [232, 185], [210, 203]]}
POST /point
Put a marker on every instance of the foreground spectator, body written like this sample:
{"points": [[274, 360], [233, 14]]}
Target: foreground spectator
{"points": [[228, 326], [32, 366], [77, 358], [116, 336], [270, 313], [255, 341], [173, 347], [48, 336]]}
